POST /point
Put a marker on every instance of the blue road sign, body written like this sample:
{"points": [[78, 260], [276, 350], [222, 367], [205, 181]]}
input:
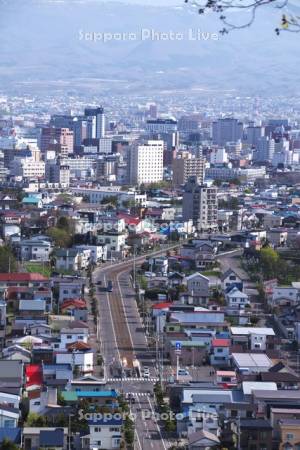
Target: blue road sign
{"points": [[178, 345]]}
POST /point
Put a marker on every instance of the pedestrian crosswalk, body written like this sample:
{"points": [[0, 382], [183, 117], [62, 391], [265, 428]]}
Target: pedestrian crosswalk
{"points": [[136, 380], [140, 394]]}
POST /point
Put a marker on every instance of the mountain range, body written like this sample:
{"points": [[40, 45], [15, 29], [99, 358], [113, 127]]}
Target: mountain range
{"points": [[47, 45]]}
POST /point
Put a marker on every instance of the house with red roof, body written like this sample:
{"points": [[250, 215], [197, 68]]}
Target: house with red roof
{"points": [[220, 355], [33, 376], [23, 279]]}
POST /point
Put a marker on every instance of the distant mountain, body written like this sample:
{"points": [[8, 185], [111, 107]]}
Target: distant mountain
{"points": [[45, 44]]}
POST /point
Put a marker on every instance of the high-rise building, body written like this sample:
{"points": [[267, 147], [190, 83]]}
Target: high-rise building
{"points": [[161, 125], [57, 173], [184, 168], [253, 134], [96, 122], [226, 130], [77, 124], [264, 151], [200, 204], [59, 139], [146, 162], [218, 156]]}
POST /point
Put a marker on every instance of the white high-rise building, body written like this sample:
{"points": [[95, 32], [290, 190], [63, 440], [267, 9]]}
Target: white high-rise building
{"points": [[146, 162], [219, 156]]}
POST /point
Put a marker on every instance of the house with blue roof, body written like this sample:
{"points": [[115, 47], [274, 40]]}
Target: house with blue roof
{"points": [[32, 200]]}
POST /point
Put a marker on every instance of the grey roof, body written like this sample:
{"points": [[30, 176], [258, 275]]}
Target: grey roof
{"points": [[32, 305], [255, 423], [11, 370], [278, 395], [203, 434]]}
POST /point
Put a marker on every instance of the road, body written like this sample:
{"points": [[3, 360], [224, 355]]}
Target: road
{"points": [[122, 337]]}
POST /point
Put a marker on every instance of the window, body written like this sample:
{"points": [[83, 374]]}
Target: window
{"points": [[289, 436]]}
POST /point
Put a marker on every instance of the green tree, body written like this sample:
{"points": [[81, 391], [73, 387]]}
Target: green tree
{"points": [[35, 420], [6, 444], [8, 262], [61, 237], [110, 200], [64, 223], [269, 259]]}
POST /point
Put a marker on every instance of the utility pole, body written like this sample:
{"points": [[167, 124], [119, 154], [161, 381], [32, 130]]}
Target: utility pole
{"points": [[134, 268]]}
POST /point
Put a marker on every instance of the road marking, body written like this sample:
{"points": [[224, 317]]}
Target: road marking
{"points": [[112, 322], [124, 311], [157, 426]]}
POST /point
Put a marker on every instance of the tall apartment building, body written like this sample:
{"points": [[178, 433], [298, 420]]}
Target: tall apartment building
{"points": [[27, 168], [265, 149], [77, 124], [226, 130], [56, 172], [59, 139], [184, 168], [96, 122], [200, 204], [253, 134], [146, 162]]}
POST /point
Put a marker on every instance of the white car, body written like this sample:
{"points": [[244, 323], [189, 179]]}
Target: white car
{"points": [[146, 372]]}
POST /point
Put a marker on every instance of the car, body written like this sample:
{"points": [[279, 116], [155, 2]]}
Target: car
{"points": [[146, 372], [183, 372], [130, 398]]}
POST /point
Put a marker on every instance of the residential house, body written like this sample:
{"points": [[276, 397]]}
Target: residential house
{"points": [[32, 309], [231, 279], [23, 279], [220, 352], [197, 289], [73, 259], [289, 434], [9, 416], [35, 249], [17, 353], [196, 320], [103, 434], [98, 253], [251, 362], [253, 338], [69, 287], [285, 296], [236, 299], [203, 440], [254, 434], [69, 336], [35, 438], [79, 355]]}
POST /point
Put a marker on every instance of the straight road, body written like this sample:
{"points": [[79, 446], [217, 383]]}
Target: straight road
{"points": [[123, 340]]}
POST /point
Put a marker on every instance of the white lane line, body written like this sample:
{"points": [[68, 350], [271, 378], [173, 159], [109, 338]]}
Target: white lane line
{"points": [[137, 434], [156, 424], [124, 311], [112, 322]]}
